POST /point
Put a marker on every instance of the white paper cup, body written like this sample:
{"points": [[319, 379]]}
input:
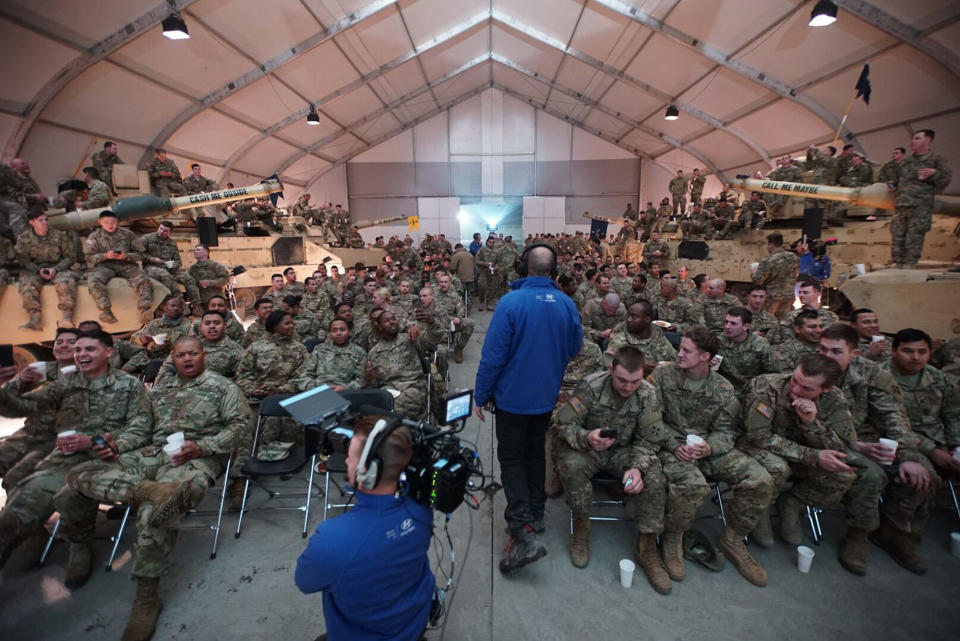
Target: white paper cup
{"points": [[171, 448], [890, 444], [754, 266], [40, 368], [861, 268], [66, 433], [694, 440], [627, 568], [878, 338], [176, 439], [804, 558], [954, 544], [956, 453], [160, 339], [716, 361], [169, 264], [68, 369]]}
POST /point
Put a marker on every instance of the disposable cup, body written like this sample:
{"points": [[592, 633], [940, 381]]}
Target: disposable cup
{"points": [[693, 440], [68, 369], [877, 338], [176, 439], [890, 444], [171, 448], [956, 453], [40, 368], [861, 268], [160, 339], [955, 544], [63, 434], [804, 558], [754, 266], [715, 362], [169, 264], [627, 568]]}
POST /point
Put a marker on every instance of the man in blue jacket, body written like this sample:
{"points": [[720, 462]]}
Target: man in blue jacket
{"points": [[534, 332], [371, 563]]}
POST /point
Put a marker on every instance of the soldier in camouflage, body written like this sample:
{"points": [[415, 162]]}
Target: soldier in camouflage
{"points": [[715, 304], [95, 401], [164, 176], [13, 215], [923, 174], [753, 212], [656, 249], [210, 276], [638, 331], [159, 335], [807, 327], [617, 400], [197, 183], [450, 305], [221, 353], [600, 316], [46, 256], [763, 321], [305, 325], [98, 192], [682, 312], [696, 187], [161, 260], [103, 161], [210, 412], [488, 276], [890, 171], [809, 290], [113, 252], [858, 174], [394, 364], [336, 362], [678, 189], [873, 345], [696, 400], [744, 354], [233, 329], [777, 272]]}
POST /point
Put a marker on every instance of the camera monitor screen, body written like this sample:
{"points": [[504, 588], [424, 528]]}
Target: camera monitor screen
{"points": [[457, 406]]}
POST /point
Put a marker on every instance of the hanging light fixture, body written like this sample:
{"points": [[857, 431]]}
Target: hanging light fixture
{"points": [[823, 14], [672, 113], [313, 118], [175, 28]]}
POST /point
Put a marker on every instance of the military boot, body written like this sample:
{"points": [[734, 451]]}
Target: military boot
{"points": [[736, 552], [762, 534], [35, 322], [648, 557], [900, 545], [145, 611], [32, 548], [106, 316], [235, 491], [853, 551], [79, 565], [580, 541], [671, 548], [11, 534], [458, 355], [789, 507], [169, 501]]}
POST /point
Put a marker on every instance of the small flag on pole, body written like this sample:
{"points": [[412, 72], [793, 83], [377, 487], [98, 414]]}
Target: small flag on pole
{"points": [[413, 222], [863, 84]]}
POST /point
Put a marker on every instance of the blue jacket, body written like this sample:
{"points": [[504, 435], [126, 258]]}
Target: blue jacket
{"points": [[534, 333], [371, 564], [475, 247]]}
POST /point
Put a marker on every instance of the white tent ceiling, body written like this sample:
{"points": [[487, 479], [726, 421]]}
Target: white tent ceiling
{"points": [[750, 78]]}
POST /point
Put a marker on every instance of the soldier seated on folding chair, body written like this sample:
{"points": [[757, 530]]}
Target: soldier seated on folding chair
{"points": [[210, 412]]}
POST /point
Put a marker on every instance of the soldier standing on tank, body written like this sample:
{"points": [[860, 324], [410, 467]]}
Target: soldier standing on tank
{"points": [[778, 272], [104, 161], [164, 175], [46, 256], [678, 188], [696, 187]]}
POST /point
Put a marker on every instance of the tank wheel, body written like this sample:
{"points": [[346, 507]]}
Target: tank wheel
{"points": [[23, 355], [245, 299]]}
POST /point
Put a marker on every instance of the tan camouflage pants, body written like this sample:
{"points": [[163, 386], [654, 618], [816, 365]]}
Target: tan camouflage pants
{"points": [[30, 503], [906, 507], [111, 481], [908, 228], [170, 278], [166, 187], [13, 219], [19, 454], [687, 487], [65, 282], [489, 286], [679, 204], [577, 467], [99, 276]]}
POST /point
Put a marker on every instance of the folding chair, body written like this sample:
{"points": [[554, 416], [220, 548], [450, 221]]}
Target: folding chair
{"points": [[600, 480], [253, 469], [371, 398], [953, 495], [223, 501], [813, 519], [115, 538]]}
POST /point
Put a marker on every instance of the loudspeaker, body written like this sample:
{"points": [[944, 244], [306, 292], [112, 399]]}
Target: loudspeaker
{"points": [[207, 230], [813, 222], [288, 250], [693, 249]]}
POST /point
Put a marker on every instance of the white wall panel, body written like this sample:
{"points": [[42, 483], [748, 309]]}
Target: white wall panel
{"points": [[430, 140], [331, 187], [553, 138], [589, 147], [465, 127], [519, 126], [653, 183], [396, 149]]}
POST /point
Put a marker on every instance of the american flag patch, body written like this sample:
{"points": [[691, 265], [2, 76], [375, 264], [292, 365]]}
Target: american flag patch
{"points": [[764, 409], [576, 405]]}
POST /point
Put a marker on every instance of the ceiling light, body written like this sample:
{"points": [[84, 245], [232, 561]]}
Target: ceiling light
{"points": [[823, 14], [175, 28], [672, 113], [313, 118]]}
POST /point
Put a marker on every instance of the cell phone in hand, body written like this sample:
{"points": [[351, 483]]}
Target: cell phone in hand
{"points": [[608, 433], [6, 356]]}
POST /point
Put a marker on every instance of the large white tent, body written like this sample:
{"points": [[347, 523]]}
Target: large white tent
{"points": [[425, 100]]}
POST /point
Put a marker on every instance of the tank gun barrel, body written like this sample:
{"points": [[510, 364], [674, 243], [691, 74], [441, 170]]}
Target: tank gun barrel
{"points": [[606, 219], [146, 206], [364, 224], [875, 195]]}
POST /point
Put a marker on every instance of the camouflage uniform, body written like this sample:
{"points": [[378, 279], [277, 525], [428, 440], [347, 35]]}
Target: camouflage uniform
{"points": [[22, 450], [174, 330], [791, 351], [710, 410], [595, 320], [682, 312], [398, 367], [234, 330], [306, 326], [115, 403], [296, 288], [198, 184], [353, 239], [450, 305], [162, 186], [303, 209], [275, 296], [857, 176], [489, 279], [776, 438], [778, 272], [913, 215], [331, 365], [101, 269], [13, 216], [98, 195], [103, 163], [678, 189], [715, 311], [744, 361], [506, 264], [128, 357], [622, 286], [318, 303], [752, 209], [640, 433], [695, 223], [58, 249], [211, 412], [655, 349], [932, 402], [864, 347], [166, 250], [945, 356], [764, 322], [786, 331], [696, 189], [210, 271], [652, 246], [221, 357], [889, 172]]}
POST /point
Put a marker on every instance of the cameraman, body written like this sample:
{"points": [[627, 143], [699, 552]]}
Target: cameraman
{"points": [[371, 563]]}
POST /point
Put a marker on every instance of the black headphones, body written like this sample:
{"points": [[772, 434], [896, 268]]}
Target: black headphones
{"points": [[521, 265], [370, 466]]}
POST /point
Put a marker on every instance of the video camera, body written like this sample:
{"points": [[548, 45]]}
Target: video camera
{"points": [[441, 465], [818, 246]]}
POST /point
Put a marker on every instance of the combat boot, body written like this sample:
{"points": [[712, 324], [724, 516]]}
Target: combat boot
{"points": [[671, 548], [32, 548], [169, 501], [11, 534], [35, 322], [236, 490], [648, 557], [79, 565], [736, 552], [145, 611], [789, 508], [762, 534], [106, 316], [853, 551], [458, 355], [580, 542], [900, 545]]}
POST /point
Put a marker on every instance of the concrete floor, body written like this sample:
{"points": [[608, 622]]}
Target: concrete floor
{"points": [[248, 591]]}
